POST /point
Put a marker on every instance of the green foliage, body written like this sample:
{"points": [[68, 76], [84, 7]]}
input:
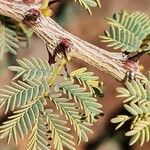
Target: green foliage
{"points": [[88, 80], [29, 69], [19, 94], [8, 42], [60, 134], [87, 102], [128, 31], [21, 121], [23, 33], [137, 102], [39, 138], [89, 3], [11, 34], [32, 100], [74, 116]]}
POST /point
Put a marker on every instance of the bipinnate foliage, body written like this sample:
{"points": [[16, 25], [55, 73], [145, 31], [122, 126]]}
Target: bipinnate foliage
{"points": [[39, 106], [85, 99], [87, 79], [30, 69], [8, 42], [11, 35], [136, 101], [31, 101], [128, 31], [38, 134], [19, 94]]}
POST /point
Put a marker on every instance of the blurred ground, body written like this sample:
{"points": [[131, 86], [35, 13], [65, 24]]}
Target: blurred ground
{"points": [[76, 20]]}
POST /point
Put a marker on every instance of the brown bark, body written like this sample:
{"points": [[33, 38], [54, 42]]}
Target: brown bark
{"points": [[51, 33]]}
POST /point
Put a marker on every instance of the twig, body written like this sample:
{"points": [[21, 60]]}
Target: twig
{"points": [[48, 30]]}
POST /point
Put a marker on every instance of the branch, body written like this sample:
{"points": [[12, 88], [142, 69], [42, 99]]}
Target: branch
{"points": [[48, 30]]}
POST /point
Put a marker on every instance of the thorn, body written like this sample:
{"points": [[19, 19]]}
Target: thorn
{"points": [[51, 58], [53, 2], [66, 70], [137, 56]]}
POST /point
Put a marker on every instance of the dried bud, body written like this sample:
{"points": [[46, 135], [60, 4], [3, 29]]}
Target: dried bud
{"points": [[31, 17], [66, 43]]}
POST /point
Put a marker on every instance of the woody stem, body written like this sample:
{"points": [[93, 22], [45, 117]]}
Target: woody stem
{"points": [[50, 32]]}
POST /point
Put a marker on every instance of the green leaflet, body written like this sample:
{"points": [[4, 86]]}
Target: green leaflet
{"points": [[85, 99], [27, 99], [19, 94], [21, 121], [60, 133], [23, 33], [12, 34], [81, 118], [140, 131], [38, 139], [88, 80], [127, 31], [89, 3], [8, 41], [134, 92], [74, 115], [30, 69], [120, 120], [136, 102]]}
